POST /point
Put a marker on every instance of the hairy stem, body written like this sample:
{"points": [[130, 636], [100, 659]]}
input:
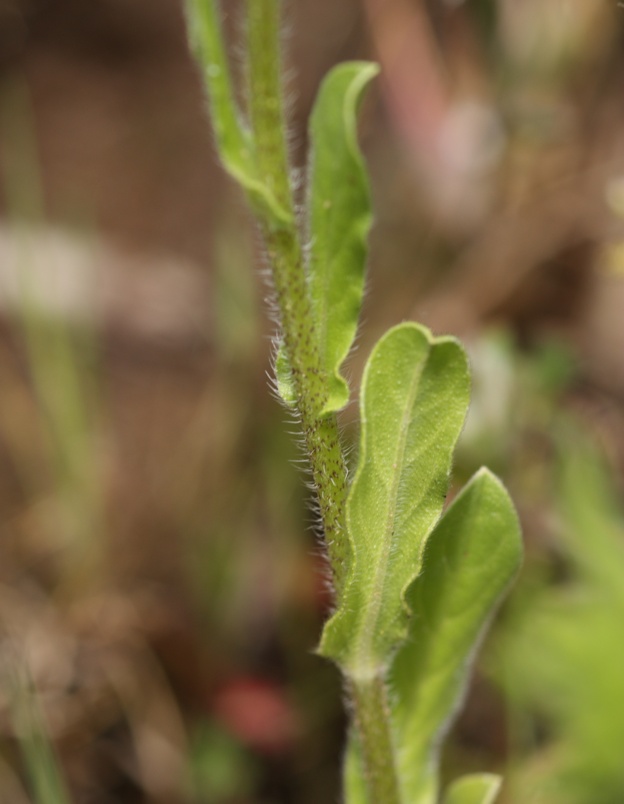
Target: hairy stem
{"points": [[259, 160], [293, 299], [371, 712], [265, 100], [372, 722]]}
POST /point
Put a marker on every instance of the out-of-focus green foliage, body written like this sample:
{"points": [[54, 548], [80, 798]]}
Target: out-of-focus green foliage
{"points": [[45, 778], [221, 770], [562, 653]]}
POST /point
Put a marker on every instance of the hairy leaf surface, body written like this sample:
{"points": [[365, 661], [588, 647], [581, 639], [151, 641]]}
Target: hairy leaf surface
{"points": [[338, 225], [413, 403], [469, 561]]}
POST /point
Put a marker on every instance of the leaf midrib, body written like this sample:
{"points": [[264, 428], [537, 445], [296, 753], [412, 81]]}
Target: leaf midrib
{"points": [[365, 641]]}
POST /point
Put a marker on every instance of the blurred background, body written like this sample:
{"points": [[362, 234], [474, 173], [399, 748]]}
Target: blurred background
{"points": [[161, 589]]}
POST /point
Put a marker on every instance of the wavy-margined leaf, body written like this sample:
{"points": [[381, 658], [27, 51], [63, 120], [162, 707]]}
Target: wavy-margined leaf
{"points": [[469, 561], [233, 138], [478, 788], [414, 399], [338, 225]]}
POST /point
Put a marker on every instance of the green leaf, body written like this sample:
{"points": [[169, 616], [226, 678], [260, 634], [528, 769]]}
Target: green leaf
{"points": [[414, 398], [480, 788], [338, 225], [469, 561], [233, 138], [340, 219], [561, 656]]}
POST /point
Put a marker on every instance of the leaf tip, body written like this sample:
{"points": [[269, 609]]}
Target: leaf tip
{"points": [[477, 788]]}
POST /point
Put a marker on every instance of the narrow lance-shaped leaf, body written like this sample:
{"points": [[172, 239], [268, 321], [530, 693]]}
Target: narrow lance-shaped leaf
{"points": [[233, 138], [338, 225], [469, 561], [413, 403]]}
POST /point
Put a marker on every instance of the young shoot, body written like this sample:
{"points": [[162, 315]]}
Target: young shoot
{"points": [[415, 586]]}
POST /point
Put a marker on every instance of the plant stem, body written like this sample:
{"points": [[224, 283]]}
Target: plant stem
{"points": [[320, 432], [265, 101], [284, 251], [372, 721]]}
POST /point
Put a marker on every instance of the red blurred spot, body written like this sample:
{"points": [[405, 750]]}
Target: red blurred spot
{"points": [[258, 713]]}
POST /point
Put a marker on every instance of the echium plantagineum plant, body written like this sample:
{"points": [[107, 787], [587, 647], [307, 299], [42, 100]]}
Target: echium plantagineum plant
{"points": [[414, 586]]}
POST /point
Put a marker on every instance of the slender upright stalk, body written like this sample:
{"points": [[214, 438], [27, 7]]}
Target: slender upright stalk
{"points": [[257, 156], [371, 712], [284, 252], [265, 105]]}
